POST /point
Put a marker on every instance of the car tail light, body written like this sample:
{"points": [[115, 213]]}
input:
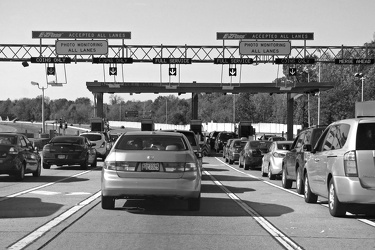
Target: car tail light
{"points": [[174, 166], [120, 165], [47, 148], [350, 164], [190, 167], [238, 149], [278, 155], [103, 145], [12, 151]]}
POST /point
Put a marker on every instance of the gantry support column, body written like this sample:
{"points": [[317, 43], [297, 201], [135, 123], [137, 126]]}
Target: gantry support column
{"points": [[194, 106], [98, 105], [290, 103]]}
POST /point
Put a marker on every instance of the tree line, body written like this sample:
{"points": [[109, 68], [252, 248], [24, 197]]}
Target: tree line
{"points": [[336, 103]]}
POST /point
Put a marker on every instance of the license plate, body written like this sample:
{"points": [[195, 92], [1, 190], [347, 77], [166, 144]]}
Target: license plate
{"points": [[150, 166], [61, 156]]}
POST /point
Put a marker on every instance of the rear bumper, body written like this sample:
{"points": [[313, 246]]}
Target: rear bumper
{"points": [[117, 187], [349, 190]]}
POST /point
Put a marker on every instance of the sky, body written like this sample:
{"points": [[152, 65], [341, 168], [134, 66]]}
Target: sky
{"points": [[168, 22]]}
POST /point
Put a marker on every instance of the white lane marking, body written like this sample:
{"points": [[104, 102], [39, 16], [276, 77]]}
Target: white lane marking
{"points": [[273, 231], [77, 193], [39, 187], [39, 232], [368, 222], [44, 192]]}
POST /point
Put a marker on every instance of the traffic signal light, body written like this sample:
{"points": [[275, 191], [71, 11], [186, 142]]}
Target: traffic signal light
{"points": [[61, 125]]}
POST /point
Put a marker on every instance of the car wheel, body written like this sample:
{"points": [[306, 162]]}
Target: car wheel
{"points": [[95, 163], [299, 182], [226, 159], [240, 165], [21, 172], [108, 202], [194, 204], [270, 175], [264, 174], [336, 208], [309, 196], [284, 181], [230, 161], [38, 170], [84, 165], [46, 166], [246, 166]]}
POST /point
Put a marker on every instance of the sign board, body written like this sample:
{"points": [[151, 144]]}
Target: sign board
{"points": [[264, 36], [51, 60], [265, 48], [112, 60], [51, 71], [232, 72], [131, 113], [83, 47], [294, 60], [292, 71], [354, 61], [233, 60], [171, 60], [113, 71], [172, 71], [80, 35]]}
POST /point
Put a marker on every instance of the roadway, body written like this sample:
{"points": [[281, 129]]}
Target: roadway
{"points": [[239, 210]]}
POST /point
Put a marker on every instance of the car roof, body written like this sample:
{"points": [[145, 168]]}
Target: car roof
{"points": [[156, 132]]}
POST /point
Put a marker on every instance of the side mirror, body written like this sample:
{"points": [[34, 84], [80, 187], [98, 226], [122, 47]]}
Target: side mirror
{"points": [[199, 154]]}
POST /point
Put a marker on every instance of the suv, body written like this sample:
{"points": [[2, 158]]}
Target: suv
{"points": [[294, 160], [222, 139], [342, 169], [102, 142]]}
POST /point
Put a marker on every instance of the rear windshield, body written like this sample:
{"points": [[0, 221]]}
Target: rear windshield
{"points": [[284, 146], [366, 136], [239, 143], [260, 144], [151, 142], [226, 136], [6, 139], [72, 140], [93, 137]]}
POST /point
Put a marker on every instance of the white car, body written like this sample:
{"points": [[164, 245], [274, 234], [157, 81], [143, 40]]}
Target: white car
{"points": [[102, 142]]}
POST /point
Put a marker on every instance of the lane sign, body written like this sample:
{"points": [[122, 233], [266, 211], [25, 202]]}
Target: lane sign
{"points": [[78, 47], [232, 72], [264, 36], [172, 71], [292, 71], [51, 60], [295, 61], [122, 60], [233, 60], [51, 71], [265, 48], [131, 113], [171, 60], [113, 71], [81, 35], [354, 61]]}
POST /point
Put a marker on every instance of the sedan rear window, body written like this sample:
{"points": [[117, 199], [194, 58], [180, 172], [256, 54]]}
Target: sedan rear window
{"points": [[72, 140], [93, 137], [366, 136], [147, 142]]}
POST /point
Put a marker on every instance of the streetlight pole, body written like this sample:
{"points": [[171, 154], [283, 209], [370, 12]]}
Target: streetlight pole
{"points": [[43, 121], [360, 76]]}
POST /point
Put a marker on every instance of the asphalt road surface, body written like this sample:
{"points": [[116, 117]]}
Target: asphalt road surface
{"points": [[239, 210]]}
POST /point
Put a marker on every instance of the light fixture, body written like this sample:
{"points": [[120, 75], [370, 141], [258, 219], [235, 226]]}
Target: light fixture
{"points": [[227, 87], [25, 64]]}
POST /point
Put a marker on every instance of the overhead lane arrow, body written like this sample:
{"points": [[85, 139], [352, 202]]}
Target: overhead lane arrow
{"points": [[232, 72], [292, 71]]}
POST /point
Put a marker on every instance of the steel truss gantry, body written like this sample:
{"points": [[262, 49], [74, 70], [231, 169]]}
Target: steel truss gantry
{"points": [[198, 54]]}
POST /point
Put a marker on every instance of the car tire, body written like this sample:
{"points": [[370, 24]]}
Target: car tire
{"points": [[95, 163], [299, 182], [21, 173], [85, 165], [246, 166], [46, 166], [38, 171], [230, 161], [309, 196], [264, 174], [108, 202], [284, 180], [194, 204], [336, 208], [240, 165], [270, 175]]}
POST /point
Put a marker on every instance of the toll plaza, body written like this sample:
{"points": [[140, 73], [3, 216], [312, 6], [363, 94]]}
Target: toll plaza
{"points": [[251, 48]]}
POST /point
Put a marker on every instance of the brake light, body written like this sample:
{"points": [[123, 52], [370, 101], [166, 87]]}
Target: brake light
{"points": [[120, 165], [103, 145], [190, 167], [174, 166], [350, 164], [12, 151]]}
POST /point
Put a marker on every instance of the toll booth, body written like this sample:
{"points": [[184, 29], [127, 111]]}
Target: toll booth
{"points": [[245, 129], [196, 126], [97, 124], [147, 125]]}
